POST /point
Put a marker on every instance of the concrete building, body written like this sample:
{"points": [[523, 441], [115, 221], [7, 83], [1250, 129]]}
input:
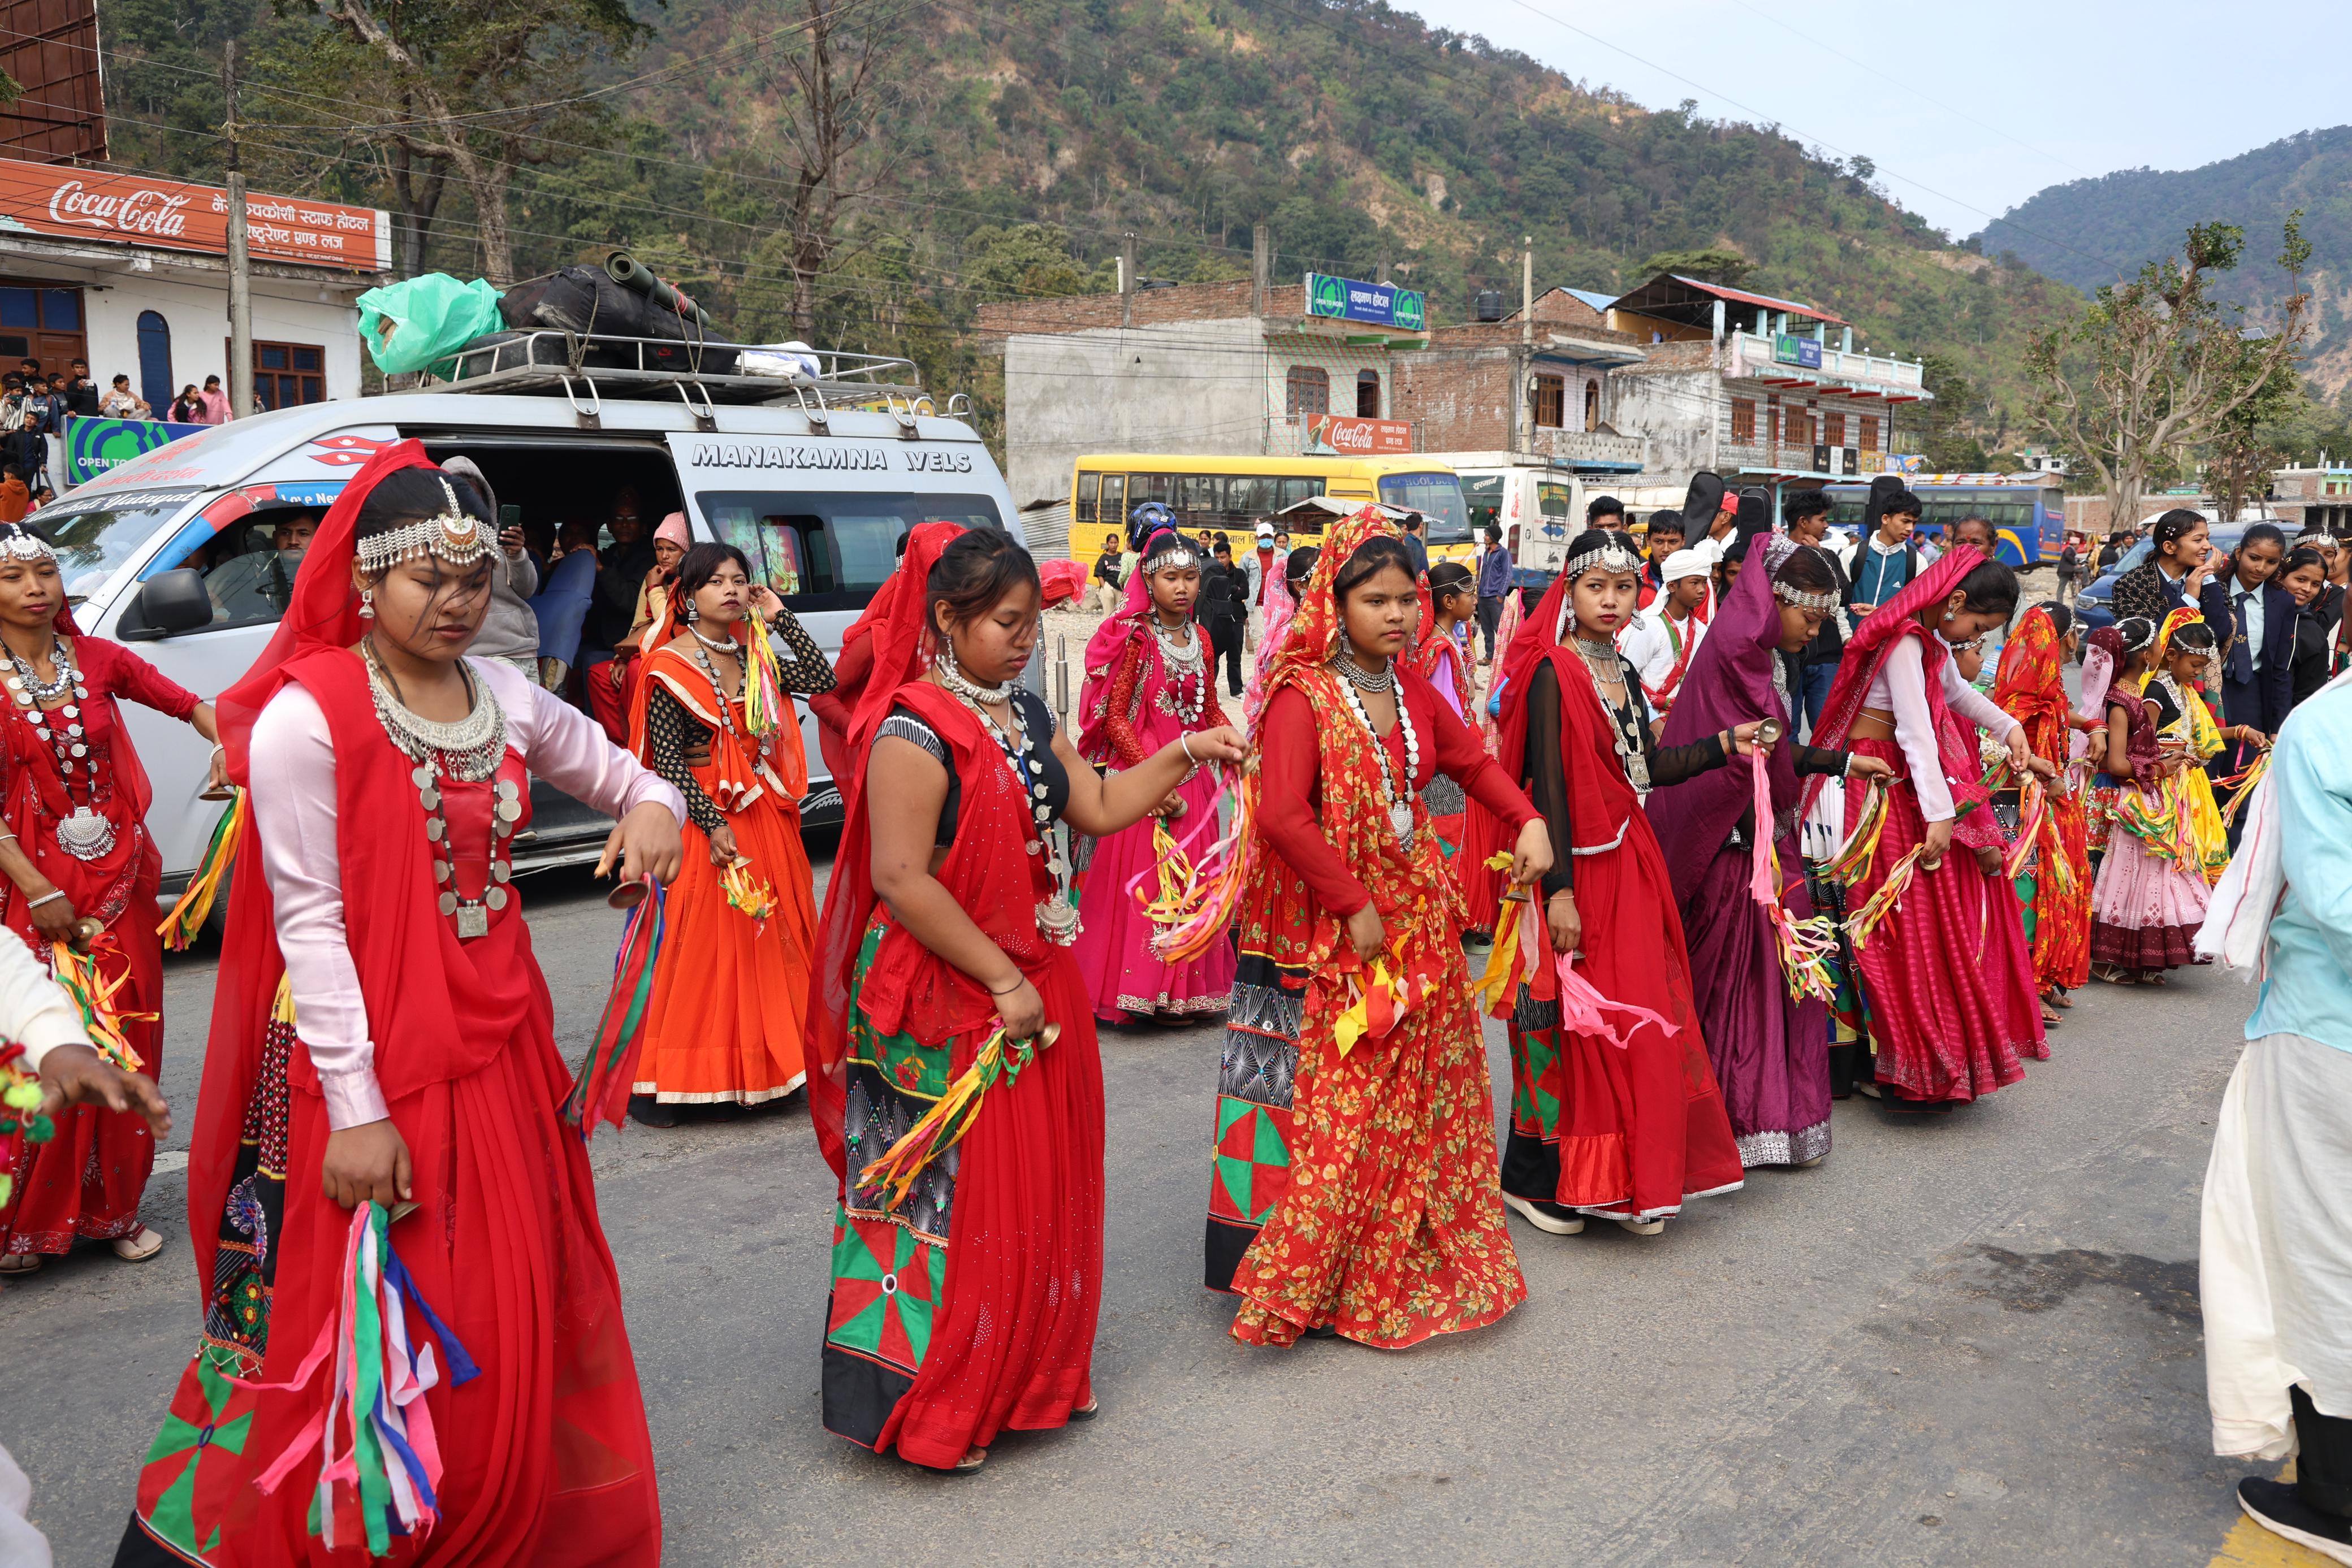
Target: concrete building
{"points": [[1761, 391], [130, 273], [2318, 497]]}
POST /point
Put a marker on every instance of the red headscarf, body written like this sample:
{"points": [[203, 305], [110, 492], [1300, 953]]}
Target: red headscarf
{"points": [[898, 606], [1107, 647], [1866, 651]]}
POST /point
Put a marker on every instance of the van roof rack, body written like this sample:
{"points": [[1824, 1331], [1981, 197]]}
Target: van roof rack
{"points": [[552, 362]]}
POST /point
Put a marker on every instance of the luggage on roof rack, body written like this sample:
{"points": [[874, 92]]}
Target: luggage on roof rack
{"points": [[588, 369]]}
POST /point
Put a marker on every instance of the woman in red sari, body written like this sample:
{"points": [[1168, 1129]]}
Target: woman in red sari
{"points": [[963, 1303], [382, 1033], [1353, 1192], [1951, 1004], [77, 854], [1619, 1130], [729, 991]]}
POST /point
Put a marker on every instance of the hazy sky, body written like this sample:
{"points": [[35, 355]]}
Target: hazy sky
{"points": [[1967, 110]]}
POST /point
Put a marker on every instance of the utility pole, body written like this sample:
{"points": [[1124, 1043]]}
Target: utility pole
{"points": [[1527, 289], [1261, 266], [1127, 281], [1385, 256], [240, 268]]}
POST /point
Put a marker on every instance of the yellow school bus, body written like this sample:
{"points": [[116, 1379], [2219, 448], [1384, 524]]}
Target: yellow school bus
{"points": [[1232, 495]]}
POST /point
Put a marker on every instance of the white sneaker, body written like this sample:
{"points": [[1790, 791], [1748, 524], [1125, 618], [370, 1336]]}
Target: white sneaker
{"points": [[1547, 1216]]}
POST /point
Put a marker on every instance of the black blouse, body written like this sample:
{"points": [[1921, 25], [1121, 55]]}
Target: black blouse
{"points": [[676, 737], [1035, 718]]}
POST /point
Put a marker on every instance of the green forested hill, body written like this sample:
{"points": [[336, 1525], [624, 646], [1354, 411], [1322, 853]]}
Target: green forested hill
{"points": [[2090, 231], [1019, 139]]}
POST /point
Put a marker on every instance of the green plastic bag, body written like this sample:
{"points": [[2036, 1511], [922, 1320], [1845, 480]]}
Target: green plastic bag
{"points": [[414, 324]]}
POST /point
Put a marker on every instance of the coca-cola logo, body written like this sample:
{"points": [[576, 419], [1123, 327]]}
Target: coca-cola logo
{"points": [[138, 211]]}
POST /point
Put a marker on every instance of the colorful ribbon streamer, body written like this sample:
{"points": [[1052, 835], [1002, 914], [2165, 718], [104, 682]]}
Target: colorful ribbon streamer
{"points": [[21, 1121], [83, 980], [951, 1117], [2244, 782], [1582, 1005], [1197, 897], [379, 1458], [1861, 923], [601, 1091], [1380, 1003], [1852, 862], [1804, 946], [188, 915], [763, 696], [746, 893]]}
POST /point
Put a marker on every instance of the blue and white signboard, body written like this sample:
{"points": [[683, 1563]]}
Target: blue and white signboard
{"points": [[1376, 304]]}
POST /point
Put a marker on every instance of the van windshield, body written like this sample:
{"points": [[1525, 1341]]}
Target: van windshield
{"points": [[831, 550], [1437, 497], [93, 541]]}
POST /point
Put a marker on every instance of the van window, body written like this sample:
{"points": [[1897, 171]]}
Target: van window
{"points": [[1437, 497], [1483, 493], [830, 551], [92, 542]]}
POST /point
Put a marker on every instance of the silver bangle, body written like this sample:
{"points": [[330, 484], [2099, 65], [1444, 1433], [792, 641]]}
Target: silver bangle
{"points": [[53, 894], [1184, 739]]}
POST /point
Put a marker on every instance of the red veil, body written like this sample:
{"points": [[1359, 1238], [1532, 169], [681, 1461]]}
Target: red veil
{"points": [[891, 636], [1865, 654], [506, 1245]]}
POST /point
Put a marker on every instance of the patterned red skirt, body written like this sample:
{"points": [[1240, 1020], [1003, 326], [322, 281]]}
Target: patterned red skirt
{"points": [[1947, 974]]}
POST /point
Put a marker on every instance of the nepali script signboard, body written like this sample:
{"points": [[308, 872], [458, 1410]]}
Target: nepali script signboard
{"points": [[133, 209], [1375, 304]]}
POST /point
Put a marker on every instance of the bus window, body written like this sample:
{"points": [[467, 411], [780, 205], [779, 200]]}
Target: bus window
{"points": [[1483, 495], [1083, 503], [1252, 498], [1555, 500], [1200, 496], [1144, 487], [1114, 501], [1437, 497], [1296, 490]]}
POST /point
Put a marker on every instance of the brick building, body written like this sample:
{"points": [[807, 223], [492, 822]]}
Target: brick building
{"points": [[1537, 384]]}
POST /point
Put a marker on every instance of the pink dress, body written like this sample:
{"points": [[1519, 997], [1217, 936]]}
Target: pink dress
{"points": [[1154, 695]]}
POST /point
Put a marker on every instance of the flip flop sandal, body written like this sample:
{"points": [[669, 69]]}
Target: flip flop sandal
{"points": [[140, 1246], [1093, 1409], [20, 1263], [970, 1464], [2049, 1019]]}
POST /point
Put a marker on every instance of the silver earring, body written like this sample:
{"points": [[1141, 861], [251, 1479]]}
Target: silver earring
{"points": [[367, 603], [692, 614]]}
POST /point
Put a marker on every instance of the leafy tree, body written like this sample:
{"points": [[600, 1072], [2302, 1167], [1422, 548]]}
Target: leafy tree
{"points": [[2156, 365], [1711, 264]]}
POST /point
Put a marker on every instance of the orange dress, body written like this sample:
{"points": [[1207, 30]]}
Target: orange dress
{"points": [[725, 1020]]}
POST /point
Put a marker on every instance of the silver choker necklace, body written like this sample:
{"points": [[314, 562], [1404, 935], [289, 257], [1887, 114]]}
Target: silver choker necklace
{"points": [[715, 644], [952, 677], [471, 748], [1381, 680]]}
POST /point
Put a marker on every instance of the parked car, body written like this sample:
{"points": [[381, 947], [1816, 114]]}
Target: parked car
{"points": [[815, 482]]}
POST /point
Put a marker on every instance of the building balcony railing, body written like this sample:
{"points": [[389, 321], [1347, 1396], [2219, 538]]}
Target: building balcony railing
{"points": [[1749, 357], [1583, 448]]}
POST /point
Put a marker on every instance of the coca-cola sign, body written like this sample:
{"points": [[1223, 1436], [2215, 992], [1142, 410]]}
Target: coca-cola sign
{"points": [[1341, 435], [133, 209]]}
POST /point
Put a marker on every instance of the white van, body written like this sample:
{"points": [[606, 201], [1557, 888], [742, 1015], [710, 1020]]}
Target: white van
{"points": [[815, 481], [1544, 502]]}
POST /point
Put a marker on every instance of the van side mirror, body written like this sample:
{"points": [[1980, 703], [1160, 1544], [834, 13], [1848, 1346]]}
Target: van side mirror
{"points": [[169, 603]]}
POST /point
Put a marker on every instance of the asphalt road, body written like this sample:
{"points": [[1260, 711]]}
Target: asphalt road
{"points": [[1962, 1340]]}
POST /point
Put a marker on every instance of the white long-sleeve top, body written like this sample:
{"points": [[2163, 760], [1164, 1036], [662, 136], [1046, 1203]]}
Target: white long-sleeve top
{"points": [[1900, 687], [293, 784], [34, 1012]]}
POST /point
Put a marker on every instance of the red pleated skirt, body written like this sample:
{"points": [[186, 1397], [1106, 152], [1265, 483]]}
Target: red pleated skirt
{"points": [[1948, 977]]}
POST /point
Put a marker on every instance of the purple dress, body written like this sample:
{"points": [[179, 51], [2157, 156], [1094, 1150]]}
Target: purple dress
{"points": [[1770, 1051]]}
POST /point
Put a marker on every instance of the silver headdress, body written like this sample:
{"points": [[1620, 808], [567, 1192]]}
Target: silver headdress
{"points": [[1611, 557], [1780, 549], [20, 543], [1173, 556], [454, 535], [1822, 602]]}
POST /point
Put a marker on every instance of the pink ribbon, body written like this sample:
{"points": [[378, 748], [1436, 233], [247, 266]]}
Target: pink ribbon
{"points": [[1582, 1005]]}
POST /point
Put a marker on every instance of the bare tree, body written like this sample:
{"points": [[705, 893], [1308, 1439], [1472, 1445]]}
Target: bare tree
{"points": [[2155, 366], [832, 91]]}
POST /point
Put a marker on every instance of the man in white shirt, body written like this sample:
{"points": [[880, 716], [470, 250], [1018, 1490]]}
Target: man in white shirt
{"points": [[1661, 639]]}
